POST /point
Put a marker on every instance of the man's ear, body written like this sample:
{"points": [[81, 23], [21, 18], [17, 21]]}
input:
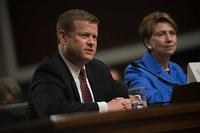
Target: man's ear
{"points": [[62, 36]]}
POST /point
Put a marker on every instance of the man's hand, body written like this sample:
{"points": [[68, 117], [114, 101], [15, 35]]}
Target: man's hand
{"points": [[119, 104], [125, 102]]}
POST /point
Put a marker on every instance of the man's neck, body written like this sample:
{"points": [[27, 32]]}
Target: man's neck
{"points": [[71, 60]]}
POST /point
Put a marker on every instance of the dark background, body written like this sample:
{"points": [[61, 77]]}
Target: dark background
{"points": [[33, 24]]}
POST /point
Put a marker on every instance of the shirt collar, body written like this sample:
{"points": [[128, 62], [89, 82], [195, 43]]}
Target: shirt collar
{"points": [[151, 63], [73, 69]]}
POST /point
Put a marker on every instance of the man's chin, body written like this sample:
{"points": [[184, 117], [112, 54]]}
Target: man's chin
{"points": [[88, 58]]}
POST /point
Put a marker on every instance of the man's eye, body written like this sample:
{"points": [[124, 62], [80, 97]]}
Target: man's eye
{"points": [[94, 37], [84, 35]]}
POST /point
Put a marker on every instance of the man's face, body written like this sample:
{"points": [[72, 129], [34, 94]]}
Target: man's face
{"points": [[163, 40], [81, 44]]}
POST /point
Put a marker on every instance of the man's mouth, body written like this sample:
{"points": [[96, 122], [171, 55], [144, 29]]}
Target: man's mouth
{"points": [[90, 51]]}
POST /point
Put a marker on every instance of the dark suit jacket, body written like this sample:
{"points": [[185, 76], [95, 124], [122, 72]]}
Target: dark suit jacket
{"points": [[53, 89]]}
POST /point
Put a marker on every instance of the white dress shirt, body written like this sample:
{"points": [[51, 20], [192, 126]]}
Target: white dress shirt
{"points": [[103, 106]]}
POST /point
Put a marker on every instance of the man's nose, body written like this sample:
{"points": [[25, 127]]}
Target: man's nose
{"points": [[91, 40]]}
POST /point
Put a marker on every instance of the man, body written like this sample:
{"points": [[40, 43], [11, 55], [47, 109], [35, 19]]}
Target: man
{"points": [[56, 86]]}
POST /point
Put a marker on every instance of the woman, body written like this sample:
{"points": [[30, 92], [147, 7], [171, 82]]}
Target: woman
{"points": [[155, 72]]}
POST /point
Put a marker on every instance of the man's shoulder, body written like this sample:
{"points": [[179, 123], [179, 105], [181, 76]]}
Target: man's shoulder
{"points": [[97, 65], [96, 62], [51, 69], [51, 59], [50, 63]]}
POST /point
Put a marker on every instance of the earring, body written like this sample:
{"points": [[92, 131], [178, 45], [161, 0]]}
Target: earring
{"points": [[149, 47]]}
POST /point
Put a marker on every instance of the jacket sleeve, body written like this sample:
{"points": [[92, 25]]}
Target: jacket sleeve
{"points": [[53, 94]]}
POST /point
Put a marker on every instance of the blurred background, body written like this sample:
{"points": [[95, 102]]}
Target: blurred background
{"points": [[28, 33]]}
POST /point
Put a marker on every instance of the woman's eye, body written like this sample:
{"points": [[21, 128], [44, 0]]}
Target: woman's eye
{"points": [[160, 34]]}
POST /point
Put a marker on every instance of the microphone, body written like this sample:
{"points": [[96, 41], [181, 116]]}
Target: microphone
{"points": [[160, 78]]}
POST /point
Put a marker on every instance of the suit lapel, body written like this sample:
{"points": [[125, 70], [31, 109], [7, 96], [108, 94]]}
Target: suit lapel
{"points": [[70, 83], [95, 83]]}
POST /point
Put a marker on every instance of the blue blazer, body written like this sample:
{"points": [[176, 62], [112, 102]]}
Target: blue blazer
{"points": [[157, 90]]}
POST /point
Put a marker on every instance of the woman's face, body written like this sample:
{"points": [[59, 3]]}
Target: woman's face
{"points": [[163, 40]]}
